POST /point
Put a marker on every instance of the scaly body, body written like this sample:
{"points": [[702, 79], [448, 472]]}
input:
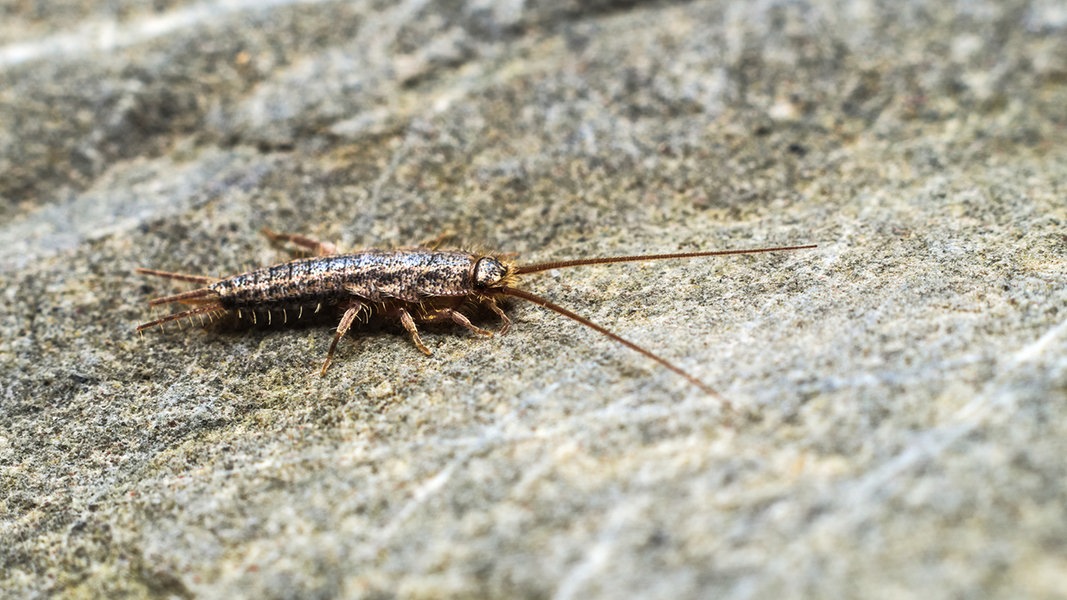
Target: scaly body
{"points": [[410, 285], [409, 275]]}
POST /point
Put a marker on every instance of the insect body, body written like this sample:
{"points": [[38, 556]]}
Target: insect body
{"points": [[410, 285]]}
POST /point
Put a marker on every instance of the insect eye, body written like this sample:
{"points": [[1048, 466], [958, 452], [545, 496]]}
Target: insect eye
{"points": [[488, 271]]}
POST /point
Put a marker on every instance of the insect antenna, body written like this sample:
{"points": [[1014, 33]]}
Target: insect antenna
{"points": [[546, 303], [603, 260]]}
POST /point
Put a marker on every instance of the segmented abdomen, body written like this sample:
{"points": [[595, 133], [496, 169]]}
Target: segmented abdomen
{"points": [[409, 275]]}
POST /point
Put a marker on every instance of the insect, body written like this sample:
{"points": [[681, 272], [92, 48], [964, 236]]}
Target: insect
{"points": [[409, 285]]}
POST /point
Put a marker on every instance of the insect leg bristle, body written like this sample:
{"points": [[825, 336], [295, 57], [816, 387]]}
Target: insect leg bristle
{"points": [[546, 303]]}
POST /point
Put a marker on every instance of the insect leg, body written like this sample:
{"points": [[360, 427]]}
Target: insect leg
{"points": [[461, 319], [436, 241], [315, 246], [409, 324], [493, 306], [448, 314], [342, 329]]}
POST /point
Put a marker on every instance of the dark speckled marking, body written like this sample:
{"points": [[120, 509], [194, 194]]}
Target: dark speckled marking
{"points": [[409, 275]]}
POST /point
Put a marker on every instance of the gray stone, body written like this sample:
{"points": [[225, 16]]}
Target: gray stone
{"points": [[899, 393]]}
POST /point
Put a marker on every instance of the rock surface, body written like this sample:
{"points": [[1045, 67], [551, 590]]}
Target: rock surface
{"points": [[900, 392]]}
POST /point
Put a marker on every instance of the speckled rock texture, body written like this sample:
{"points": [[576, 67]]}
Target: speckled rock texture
{"points": [[899, 393]]}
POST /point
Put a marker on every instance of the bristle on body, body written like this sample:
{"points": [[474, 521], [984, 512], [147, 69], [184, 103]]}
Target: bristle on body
{"points": [[211, 310]]}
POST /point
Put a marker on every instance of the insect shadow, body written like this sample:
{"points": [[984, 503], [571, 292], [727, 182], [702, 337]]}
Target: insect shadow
{"points": [[412, 286]]}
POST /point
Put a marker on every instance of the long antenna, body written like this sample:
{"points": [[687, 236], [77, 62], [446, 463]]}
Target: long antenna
{"points": [[560, 264], [176, 276], [538, 300]]}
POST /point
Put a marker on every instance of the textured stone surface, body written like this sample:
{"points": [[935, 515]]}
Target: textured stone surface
{"points": [[902, 389]]}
